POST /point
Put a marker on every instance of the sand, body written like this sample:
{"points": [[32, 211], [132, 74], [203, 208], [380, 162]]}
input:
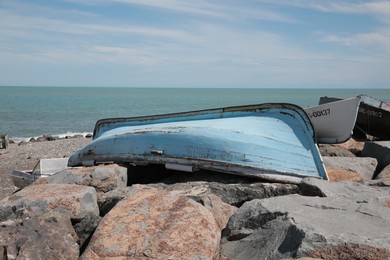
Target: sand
{"points": [[25, 157]]}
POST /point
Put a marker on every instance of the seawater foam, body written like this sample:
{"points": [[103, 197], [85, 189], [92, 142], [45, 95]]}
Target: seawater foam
{"points": [[84, 134], [61, 136]]}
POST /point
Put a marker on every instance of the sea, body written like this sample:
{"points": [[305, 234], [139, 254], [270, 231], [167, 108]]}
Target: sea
{"points": [[27, 112]]}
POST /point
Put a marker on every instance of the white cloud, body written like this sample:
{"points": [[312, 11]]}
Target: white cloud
{"points": [[379, 40], [375, 38], [123, 55], [225, 10], [343, 6], [218, 41]]}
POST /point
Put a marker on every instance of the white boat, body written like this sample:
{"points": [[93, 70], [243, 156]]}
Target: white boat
{"points": [[373, 118], [334, 122], [44, 168]]}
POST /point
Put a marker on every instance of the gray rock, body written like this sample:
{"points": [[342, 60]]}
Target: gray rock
{"points": [[232, 194], [21, 143], [232, 189], [331, 150], [108, 200], [49, 236], [365, 166], [103, 178], [74, 201], [349, 190], [85, 228], [379, 150], [295, 225], [378, 183]]}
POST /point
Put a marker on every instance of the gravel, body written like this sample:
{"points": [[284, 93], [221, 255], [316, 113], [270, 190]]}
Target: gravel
{"points": [[24, 156]]}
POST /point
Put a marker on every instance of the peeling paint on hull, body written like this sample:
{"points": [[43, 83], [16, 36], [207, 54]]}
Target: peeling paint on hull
{"points": [[269, 141]]}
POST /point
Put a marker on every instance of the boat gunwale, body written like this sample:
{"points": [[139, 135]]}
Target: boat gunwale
{"points": [[211, 165]]}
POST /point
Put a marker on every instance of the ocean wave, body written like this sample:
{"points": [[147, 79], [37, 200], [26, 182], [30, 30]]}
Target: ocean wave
{"points": [[60, 136]]}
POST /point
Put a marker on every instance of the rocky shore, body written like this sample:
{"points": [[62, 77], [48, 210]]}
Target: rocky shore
{"points": [[124, 212], [25, 155]]}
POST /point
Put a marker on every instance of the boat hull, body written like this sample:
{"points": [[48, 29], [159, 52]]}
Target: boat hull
{"points": [[269, 141], [334, 121], [373, 117]]}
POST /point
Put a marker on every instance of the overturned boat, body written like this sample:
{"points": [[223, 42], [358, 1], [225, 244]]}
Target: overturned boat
{"points": [[334, 121], [373, 117], [274, 142]]}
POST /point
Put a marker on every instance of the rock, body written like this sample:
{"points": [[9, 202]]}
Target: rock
{"points": [[350, 190], [44, 138], [75, 201], [108, 200], [332, 150], [336, 175], [85, 228], [49, 138], [384, 175], [295, 226], [379, 150], [103, 178], [351, 251], [378, 183], [49, 236], [220, 210], [157, 224], [234, 194], [364, 166], [22, 143], [238, 194], [40, 139], [353, 146]]}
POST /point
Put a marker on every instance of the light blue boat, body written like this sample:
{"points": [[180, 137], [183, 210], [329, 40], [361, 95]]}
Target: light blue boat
{"points": [[275, 142]]}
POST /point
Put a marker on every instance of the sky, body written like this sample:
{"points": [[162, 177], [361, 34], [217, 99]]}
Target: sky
{"points": [[195, 43]]}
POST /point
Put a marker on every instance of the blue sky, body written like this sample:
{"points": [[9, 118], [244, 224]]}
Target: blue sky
{"points": [[195, 43]]}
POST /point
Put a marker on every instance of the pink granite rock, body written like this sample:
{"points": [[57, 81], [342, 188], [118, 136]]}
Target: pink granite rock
{"points": [[353, 146], [220, 210], [336, 175], [157, 224]]}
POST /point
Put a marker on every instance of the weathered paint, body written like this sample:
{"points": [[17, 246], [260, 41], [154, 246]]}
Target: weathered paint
{"points": [[272, 141]]}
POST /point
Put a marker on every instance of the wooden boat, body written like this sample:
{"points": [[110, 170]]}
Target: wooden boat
{"points": [[270, 141], [373, 117], [334, 121], [44, 168]]}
